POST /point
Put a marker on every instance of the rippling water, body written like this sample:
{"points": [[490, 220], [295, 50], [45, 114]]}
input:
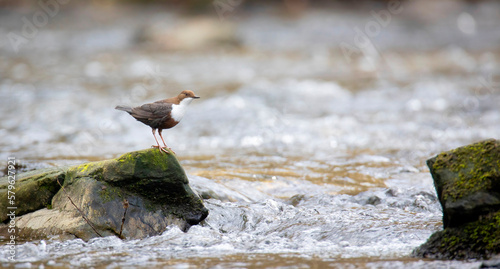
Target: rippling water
{"points": [[304, 160]]}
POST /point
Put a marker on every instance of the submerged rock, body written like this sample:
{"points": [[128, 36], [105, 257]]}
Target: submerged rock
{"points": [[467, 181], [153, 183]]}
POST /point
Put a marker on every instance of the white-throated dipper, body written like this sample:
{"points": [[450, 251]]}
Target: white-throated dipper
{"points": [[163, 114]]}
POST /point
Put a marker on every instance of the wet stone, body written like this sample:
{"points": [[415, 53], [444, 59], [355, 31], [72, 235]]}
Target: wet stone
{"points": [[467, 181], [373, 200], [153, 183]]}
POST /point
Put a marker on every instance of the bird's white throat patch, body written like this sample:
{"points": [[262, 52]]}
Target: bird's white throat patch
{"points": [[179, 110]]}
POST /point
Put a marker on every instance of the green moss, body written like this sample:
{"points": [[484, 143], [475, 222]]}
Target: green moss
{"points": [[69, 177], [92, 169], [475, 166], [32, 192], [109, 194], [450, 241], [153, 182], [479, 239]]}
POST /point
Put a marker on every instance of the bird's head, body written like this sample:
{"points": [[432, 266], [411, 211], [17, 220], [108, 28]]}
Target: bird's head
{"points": [[187, 94]]}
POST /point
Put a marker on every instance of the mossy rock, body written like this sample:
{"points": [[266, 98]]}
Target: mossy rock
{"points": [[467, 181], [476, 240], [154, 184], [32, 191]]}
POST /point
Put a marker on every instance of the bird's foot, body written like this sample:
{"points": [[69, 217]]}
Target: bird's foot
{"points": [[161, 149], [164, 149]]}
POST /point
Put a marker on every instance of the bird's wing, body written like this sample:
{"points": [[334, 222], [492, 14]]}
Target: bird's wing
{"points": [[151, 111]]}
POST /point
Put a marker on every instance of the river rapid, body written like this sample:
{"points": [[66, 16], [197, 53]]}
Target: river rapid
{"points": [[306, 157]]}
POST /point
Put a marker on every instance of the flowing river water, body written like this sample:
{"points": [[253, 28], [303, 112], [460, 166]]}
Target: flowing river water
{"points": [[305, 157]]}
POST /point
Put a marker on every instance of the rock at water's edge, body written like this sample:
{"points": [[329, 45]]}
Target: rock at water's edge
{"points": [[32, 191], [154, 184], [475, 240], [467, 181]]}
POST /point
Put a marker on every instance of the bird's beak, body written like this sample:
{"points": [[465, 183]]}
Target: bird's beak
{"points": [[196, 97]]}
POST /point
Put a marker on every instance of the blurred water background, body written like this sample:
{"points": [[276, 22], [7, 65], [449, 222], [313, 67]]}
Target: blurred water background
{"points": [[310, 139]]}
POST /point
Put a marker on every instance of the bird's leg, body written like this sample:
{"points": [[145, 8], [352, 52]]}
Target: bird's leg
{"points": [[158, 143], [159, 131]]}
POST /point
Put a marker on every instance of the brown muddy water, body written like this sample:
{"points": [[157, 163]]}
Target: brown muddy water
{"points": [[307, 156]]}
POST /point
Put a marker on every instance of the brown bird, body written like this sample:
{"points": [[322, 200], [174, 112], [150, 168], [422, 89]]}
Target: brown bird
{"points": [[163, 114]]}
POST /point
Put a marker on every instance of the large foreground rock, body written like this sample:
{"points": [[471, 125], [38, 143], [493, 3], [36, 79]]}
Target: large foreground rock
{"points": [[153, 183], [467, 181]]}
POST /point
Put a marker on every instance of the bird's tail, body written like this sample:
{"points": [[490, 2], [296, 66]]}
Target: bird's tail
{"points": [[124, 108]]}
